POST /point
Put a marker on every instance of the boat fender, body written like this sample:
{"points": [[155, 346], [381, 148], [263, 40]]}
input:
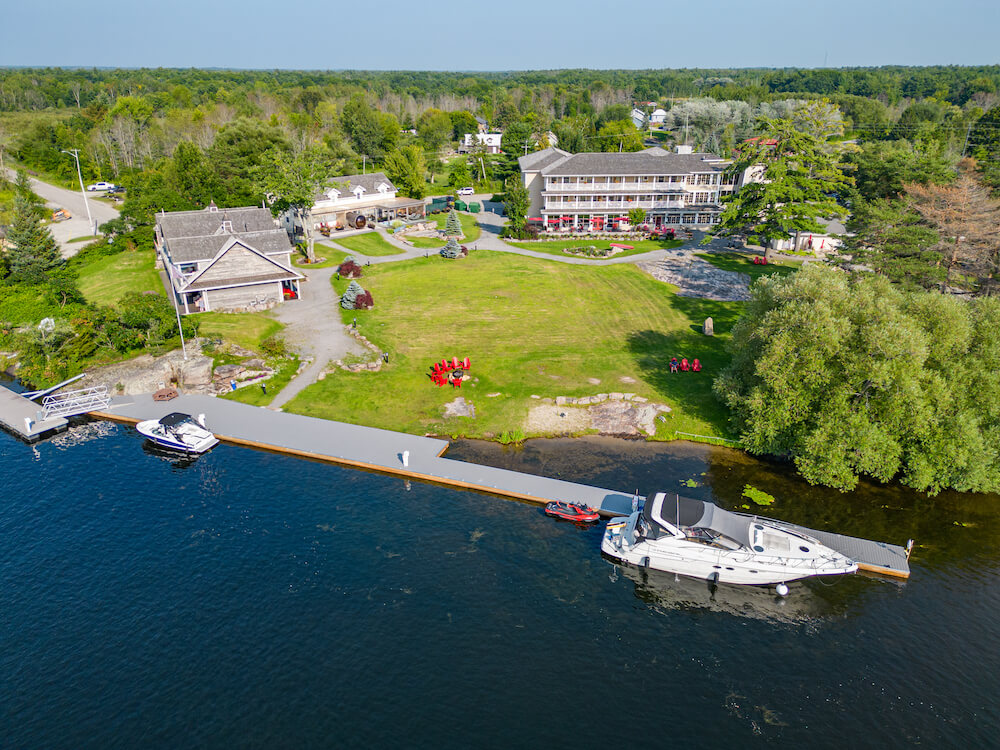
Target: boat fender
{"points": [[782, 589]]}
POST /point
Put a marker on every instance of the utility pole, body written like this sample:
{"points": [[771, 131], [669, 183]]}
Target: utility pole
{"points": [[75, 153], [968, 132], [177, 310]]}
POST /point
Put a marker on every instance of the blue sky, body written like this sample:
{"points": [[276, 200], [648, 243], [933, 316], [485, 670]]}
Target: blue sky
{"points": [[503, 35]]}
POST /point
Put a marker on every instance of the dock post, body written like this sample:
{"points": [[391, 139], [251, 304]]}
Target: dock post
{"points": [[406, 458], [27, 425]]}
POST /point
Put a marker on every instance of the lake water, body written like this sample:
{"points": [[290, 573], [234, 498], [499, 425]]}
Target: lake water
{"points": [[246, 599]]}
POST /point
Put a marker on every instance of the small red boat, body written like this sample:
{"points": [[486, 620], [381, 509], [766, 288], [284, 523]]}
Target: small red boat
{"points": [[571, 512]]}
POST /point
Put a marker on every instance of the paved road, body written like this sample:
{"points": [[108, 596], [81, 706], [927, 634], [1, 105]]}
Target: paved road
{"points": [[313, 330], [71, 200]]}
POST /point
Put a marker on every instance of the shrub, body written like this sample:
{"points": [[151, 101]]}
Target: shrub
{"points": [[273, 346], [364, 301], [349, 269]]}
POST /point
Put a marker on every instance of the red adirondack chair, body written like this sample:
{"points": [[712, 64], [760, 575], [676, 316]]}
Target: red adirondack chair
{"points": [[454, 363], [466, 364], [684, 365], [696, 366]]}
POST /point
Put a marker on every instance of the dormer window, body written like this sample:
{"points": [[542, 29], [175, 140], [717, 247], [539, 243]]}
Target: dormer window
{"points": [[227, 226], [359, 191], [383, 188], [333, 194]]}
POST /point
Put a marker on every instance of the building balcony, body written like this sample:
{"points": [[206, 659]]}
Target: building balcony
{"points": [[615, 187], [612, 205]]}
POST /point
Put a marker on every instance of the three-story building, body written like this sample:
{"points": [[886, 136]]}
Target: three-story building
{"points": [[596, 191]]}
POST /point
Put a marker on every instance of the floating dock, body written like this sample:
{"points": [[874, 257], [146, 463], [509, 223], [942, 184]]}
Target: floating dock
{"points": [[420, 458], [26, 418]]}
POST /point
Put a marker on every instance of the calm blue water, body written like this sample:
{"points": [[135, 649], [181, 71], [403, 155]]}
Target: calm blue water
{"points": [[255, 600]]}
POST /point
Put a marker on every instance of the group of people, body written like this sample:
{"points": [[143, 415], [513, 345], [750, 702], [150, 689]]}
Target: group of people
{"points": [[452, 373], [683, 365]]}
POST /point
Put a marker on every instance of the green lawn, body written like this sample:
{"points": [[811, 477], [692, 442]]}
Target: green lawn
{"points": [[253, 395], [529, 327], [470, 230], [370, 244], [556, 247], [244, 329], [744, 264], [105, 279], [88, 238], [333, 257]]}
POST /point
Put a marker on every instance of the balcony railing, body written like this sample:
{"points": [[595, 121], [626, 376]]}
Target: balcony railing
{"points": [[613, 205], [652, 187]]}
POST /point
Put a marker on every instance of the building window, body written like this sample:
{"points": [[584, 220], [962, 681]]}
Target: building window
{"points": [[701, 197], [673, 219], [703, 179]]}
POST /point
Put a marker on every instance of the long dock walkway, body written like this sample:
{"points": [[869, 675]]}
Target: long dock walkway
{"points": [[420, 458], [25, 417]]}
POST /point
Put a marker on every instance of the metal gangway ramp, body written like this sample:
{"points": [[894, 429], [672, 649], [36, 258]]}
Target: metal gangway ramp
{"points": [[76, 402]]}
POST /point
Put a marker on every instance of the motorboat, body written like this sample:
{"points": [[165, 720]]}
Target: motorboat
{"points": [[701, 540], [571, 511], [179, 432]]}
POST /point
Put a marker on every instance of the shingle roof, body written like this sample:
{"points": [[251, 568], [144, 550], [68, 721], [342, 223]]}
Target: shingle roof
{"points": [[241, 280], [540, 159], [190, 249], [276, 271], [369, 182], [652, 162], [208, 221]]}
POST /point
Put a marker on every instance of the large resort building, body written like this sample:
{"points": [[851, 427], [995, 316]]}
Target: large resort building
{"points": [[595, 191], [231, 259]]}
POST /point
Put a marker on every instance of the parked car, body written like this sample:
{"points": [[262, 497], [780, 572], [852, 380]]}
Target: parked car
{"points": [[117, 189], [101, 186], [465, 191]]}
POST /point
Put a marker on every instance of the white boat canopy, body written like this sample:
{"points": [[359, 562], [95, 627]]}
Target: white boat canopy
{"points": [[668, 516]]}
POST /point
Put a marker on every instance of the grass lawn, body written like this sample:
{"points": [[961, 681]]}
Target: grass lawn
{"points": [[243, 329], [89, 238], [253, 395], [333, 257], [370, 244], [470, 229], [556, 247], [529, 327], [744, 264], [104, 280]]}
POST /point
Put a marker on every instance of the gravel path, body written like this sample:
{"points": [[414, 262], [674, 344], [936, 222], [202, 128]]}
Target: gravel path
{"points": [[313, 330]]}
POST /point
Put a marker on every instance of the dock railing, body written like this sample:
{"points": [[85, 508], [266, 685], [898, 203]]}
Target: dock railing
{"points": [[76, 402]]}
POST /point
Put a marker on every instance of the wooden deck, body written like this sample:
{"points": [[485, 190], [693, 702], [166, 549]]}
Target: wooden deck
{"points": [[420, 458]]}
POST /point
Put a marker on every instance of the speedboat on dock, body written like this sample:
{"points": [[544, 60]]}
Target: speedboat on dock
{"points": [[179, 432], [701, 540]]}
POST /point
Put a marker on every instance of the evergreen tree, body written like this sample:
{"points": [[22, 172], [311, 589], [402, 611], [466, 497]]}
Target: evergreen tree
{"points": [[32, 250], [799, 175], [453, 227], [516, 204], [350, 295], [451, 249]]}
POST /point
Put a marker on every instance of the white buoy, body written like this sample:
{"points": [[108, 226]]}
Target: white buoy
{"points": [[406, 458], [782, 589]]}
